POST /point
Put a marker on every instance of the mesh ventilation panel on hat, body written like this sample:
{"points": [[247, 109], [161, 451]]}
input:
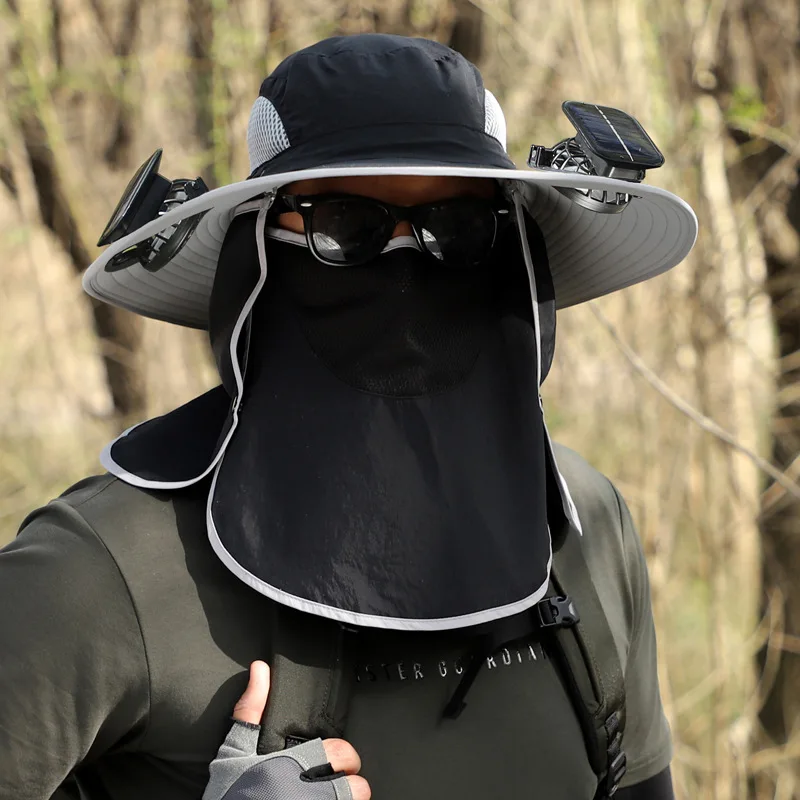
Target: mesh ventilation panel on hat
{"points": [[495, 121], [266, 134]]}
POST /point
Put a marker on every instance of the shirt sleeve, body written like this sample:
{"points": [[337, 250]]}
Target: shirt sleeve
{"points": [[647, 740], [73, 673]]}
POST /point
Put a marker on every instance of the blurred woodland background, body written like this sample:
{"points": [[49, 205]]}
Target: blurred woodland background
{"points": [[675, 388]]}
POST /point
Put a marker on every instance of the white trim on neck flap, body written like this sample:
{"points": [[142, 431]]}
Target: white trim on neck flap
{"points": [[567, 502], [354, 617], [526, 255], [106, 459]]}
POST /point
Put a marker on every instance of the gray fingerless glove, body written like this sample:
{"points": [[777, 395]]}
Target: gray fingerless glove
{"points": [[299, 773]]}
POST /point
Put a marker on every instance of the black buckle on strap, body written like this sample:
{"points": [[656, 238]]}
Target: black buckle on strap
{"points": [[557, 612]]}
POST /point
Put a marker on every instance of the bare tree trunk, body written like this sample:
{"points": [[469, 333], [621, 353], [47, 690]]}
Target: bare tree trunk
{"points": [[467, 33], [458, 23], [781, 566], [118, 331], [757, 84]]}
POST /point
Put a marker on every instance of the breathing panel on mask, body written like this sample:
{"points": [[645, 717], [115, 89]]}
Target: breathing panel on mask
{"points": [[400, 326]]}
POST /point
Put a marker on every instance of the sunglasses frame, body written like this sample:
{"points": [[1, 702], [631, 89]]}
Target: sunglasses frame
{"points": [[305, 206]]}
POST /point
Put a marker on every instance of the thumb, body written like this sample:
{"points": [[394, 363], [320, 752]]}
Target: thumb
{"points": [[252, 703]]}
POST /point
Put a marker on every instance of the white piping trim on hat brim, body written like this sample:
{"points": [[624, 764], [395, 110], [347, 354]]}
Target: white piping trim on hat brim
{"points": [[234, 194], [107, 460], [356, 618], [138, 291]]}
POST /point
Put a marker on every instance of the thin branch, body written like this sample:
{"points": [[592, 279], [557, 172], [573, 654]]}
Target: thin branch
{"points": [[760, 130], [505, 20], [781, 173], [706, 423]]}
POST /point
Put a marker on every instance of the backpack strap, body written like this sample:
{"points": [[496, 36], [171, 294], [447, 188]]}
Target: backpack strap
{"points": [[586, 654], [311, 673], [312, 670]]}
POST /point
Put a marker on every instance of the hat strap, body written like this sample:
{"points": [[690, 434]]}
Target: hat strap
{"points": [[238, 366], [107, 456], [516, 196]]}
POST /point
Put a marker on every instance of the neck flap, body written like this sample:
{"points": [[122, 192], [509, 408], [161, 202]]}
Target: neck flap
{"points": [[336, 488]]}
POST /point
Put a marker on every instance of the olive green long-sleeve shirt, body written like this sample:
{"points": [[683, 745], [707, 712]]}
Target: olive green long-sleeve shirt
{"points": [[124, 644]]}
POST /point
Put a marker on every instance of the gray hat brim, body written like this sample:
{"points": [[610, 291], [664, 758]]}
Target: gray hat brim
{"points": [[590, 254]]}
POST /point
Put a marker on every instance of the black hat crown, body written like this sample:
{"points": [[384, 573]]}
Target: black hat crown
{"points": [[375, 98]]}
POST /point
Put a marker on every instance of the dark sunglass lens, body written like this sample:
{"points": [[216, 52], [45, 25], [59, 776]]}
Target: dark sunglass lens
{"points": [[459, 233], [349, 230]]}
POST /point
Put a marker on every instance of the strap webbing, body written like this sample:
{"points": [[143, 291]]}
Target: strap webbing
{"points": [[311, 674], [590, 665]]}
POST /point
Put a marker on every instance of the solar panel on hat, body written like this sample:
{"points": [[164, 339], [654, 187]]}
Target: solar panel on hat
{"points": [[613, 135]]}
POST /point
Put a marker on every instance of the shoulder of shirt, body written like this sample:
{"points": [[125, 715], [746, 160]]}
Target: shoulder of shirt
{"points": [[87, 490], [113, 508], [611, 545], [98, 492], [592, 492]]}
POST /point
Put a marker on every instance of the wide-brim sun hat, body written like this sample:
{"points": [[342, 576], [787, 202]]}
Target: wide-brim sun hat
{"points": [[404, 487], [387, 105]]}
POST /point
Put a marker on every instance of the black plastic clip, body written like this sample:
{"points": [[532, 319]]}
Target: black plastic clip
{"points": [[540, 157], [557, 612]]}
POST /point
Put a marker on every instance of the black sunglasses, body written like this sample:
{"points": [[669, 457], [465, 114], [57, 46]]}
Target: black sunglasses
{"points": [[348, 230]]}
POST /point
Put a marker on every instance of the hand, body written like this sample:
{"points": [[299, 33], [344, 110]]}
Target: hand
{"points": [[238, 773]]}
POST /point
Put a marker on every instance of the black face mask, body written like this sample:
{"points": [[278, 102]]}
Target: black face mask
{"points": [[400, 326], [405, 325], [388, 463]]}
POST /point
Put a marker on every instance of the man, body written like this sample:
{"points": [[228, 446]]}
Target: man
{"points": [[380, 297]]}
